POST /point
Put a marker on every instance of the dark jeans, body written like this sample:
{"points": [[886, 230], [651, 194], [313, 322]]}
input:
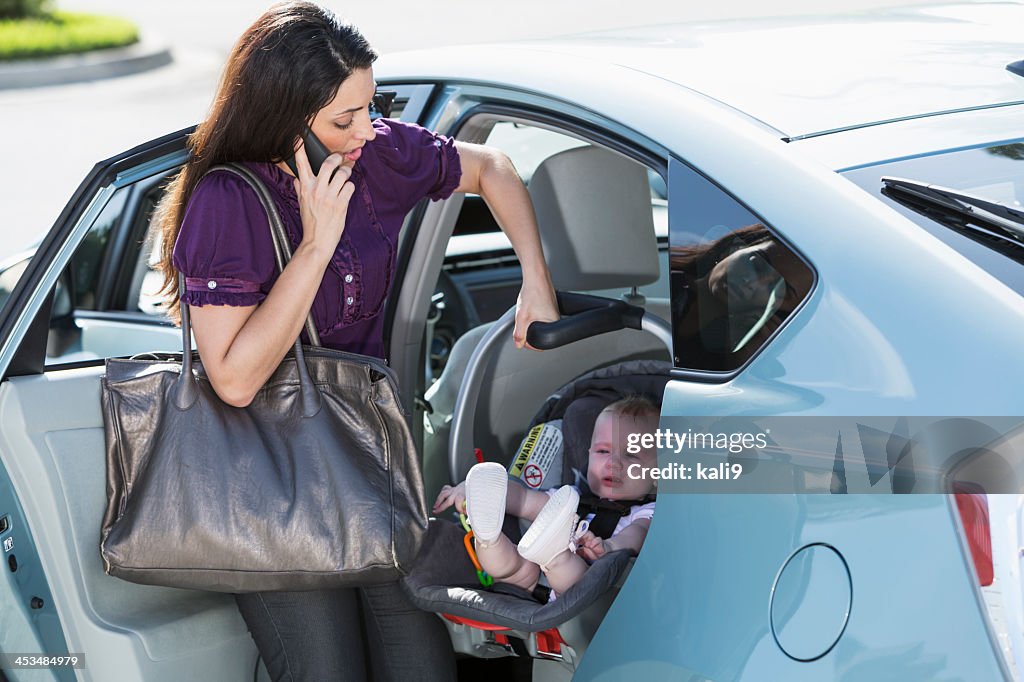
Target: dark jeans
{"points": [[368, 633]]}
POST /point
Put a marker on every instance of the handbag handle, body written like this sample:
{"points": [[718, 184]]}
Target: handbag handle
{"points": [[186, 392]]}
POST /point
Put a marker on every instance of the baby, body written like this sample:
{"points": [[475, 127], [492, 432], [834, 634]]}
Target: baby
{"points": [[547, 546]]}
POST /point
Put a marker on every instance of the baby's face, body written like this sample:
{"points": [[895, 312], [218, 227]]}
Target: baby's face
{"points": [[611, 462]]}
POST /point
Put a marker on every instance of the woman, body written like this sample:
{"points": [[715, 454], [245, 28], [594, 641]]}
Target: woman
{"points": [[298, 66]]}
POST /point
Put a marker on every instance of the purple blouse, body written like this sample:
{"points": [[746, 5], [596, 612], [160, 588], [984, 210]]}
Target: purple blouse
{"points": [[225, 250]]}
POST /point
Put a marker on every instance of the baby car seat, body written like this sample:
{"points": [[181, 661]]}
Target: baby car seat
{"points": [[505, 620]]}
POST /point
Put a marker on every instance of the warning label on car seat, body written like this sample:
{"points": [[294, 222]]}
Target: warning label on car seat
{"points": [[540, 456]]}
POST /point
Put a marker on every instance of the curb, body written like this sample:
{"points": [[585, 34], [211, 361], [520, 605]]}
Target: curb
{"points": [[66, 69]]}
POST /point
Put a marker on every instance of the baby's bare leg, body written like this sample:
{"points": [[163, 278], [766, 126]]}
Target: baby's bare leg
{"points": [[565, 570], [502, 562]]}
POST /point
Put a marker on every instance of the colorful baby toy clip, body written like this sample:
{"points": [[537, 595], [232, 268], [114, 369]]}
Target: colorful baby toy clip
{"points": [[481, 575]]}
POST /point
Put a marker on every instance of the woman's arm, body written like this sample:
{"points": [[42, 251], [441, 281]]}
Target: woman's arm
{"points": [[242, 346], [489, 172]]}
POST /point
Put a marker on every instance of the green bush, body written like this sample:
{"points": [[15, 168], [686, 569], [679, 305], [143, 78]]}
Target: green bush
{"points": [[19, 9], [62, 33]]}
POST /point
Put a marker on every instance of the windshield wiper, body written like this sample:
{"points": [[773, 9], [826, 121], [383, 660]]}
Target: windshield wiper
{"points": [[1010, 221]]}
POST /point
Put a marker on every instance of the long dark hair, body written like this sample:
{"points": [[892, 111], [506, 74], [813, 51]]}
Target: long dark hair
{"points": [[286, 67], [698, 259]]}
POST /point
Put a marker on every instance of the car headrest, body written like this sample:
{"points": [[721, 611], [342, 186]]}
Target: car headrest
{"points": [[594, 212]]}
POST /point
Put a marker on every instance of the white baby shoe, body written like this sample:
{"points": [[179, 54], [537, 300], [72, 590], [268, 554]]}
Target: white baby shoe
{"points": [[552, 531], [486, 487]]}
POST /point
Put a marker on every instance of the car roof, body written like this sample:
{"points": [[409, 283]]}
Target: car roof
{"points": [[809, 76]]}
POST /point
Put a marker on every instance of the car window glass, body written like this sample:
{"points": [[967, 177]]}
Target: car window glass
{"points": [[480, 278], [527, 146], [106, 302], [78, 287], [11, 271], [995, 173], [733, 281], [144, 291], [149, 280], [87, 264]]}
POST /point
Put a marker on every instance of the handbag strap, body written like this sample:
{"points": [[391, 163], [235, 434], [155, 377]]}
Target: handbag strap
{"points": [[185, 395], [282, 247]]}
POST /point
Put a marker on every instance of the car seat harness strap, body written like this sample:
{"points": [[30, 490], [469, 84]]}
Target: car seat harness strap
{"points": [[606, 512]]}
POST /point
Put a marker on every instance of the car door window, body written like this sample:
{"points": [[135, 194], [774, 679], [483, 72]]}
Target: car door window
{"points": [[107, 301], [11, 270], [734, 282], [87, 265]]}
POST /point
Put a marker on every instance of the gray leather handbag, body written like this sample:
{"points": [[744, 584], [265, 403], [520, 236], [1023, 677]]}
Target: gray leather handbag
{"points": [[314, 485]]}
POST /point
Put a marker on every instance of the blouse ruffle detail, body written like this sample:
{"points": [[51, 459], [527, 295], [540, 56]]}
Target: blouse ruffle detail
{"points": [[221, 285], [200, 298]]}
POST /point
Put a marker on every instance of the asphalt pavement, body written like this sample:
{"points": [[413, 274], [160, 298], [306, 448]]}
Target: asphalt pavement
{"points": [[51, 136]]}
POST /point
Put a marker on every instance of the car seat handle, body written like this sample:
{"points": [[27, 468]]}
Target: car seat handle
{"points": [[583, 316]]}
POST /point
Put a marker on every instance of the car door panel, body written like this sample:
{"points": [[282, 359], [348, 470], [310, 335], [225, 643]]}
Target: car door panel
{"points": [[108, 338], [52, 448], [24, 629], [53, 422]]}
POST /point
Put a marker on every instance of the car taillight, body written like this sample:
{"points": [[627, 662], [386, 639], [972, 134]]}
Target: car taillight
{"points": [[974, 517], [993, 529]]}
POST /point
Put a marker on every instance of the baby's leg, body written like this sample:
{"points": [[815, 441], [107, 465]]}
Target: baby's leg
{"points": [[565, 570], [486, 490], [547, 542], [502, 562]]}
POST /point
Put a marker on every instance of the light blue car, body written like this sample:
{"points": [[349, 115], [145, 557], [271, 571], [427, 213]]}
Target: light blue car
{"points": [[822, 219]]}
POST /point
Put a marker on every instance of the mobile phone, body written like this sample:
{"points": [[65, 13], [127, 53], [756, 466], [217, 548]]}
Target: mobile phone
{"points": [[316, 152]]}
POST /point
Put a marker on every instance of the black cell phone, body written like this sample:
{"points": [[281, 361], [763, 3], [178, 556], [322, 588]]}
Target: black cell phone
{"points": [[316, 152]]}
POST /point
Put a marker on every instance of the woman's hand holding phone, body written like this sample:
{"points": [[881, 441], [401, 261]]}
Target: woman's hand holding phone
{"points": [[323, 200]]}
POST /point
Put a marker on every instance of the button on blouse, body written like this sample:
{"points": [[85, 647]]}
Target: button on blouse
{"points": [[225, 251]]}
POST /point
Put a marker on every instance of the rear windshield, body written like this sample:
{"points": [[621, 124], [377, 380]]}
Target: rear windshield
{"points": [[995, 173]]}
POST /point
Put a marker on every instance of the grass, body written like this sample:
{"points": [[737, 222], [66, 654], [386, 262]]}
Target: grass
{"points": [[62, 33]]}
